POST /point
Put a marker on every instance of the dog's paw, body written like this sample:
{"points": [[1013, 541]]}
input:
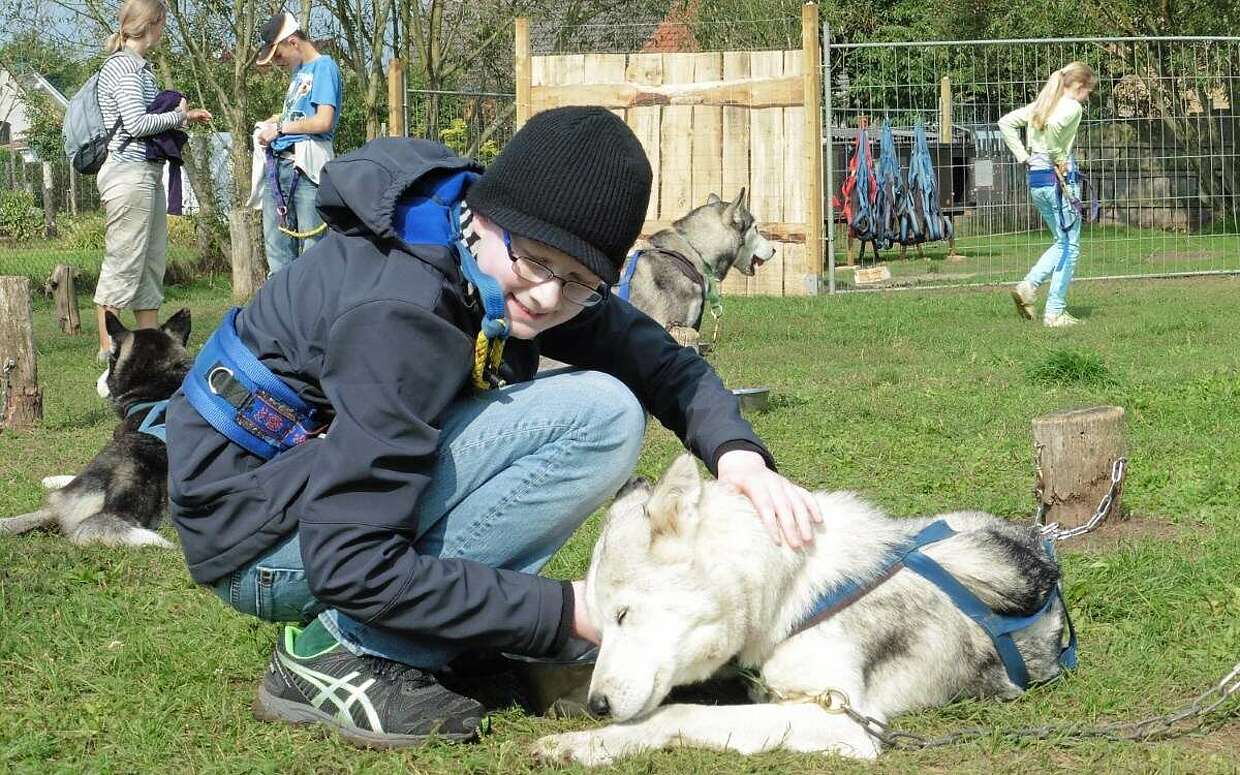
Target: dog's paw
{"points": [[586, 748], [56, 482]]}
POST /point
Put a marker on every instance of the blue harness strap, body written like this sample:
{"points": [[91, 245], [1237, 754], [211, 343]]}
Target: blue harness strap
{"points": [[626, 280], [242, 399], [154, 422], [997, 626]]}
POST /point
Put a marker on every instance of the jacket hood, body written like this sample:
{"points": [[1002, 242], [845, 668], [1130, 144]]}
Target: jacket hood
{"points": [[358, 191]]}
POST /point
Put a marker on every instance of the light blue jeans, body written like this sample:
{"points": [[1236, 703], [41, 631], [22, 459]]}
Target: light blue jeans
{"points": [[303, 216], [519, 469], [1059, 261]]}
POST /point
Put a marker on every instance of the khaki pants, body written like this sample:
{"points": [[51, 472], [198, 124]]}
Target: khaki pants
{"points": [[136, 240]]}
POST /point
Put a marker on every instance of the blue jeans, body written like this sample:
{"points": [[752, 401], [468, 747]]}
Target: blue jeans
{"points": [[518, 470], [302, 217], [1059, 260]]}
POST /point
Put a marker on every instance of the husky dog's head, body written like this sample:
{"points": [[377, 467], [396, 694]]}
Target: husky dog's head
{"points": [[147, 364], [663, 620], [753, 249]]}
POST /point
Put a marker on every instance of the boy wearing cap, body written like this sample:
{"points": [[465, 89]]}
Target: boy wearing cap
{"points": [[411, 531], [298, 143]]}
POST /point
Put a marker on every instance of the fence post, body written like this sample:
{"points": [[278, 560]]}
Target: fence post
{"points": [[945, 110], [828, 153], [522, 68], [813, 141], [49, 202], [396, 98], [73, 192]]}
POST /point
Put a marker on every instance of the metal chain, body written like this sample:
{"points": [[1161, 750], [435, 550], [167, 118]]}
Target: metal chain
{"points": [[1119, 470], [835, 701]]}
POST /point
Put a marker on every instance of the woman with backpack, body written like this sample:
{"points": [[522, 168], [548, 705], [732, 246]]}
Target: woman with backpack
{"points": [[130, 187], [1051, 122]]}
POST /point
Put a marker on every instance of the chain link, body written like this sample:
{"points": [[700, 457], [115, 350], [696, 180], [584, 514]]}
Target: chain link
{"points": [[1119, 469], [1155, 727]]}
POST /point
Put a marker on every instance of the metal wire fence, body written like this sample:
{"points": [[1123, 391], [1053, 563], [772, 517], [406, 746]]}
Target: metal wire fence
{"points": [[1158, 144]]}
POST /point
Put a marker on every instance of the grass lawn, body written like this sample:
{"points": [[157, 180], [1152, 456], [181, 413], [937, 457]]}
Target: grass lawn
{"points": [[1106, 251], [114, 662]]}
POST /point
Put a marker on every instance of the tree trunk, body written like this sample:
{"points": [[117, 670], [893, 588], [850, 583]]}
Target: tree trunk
{"points": [[49, 202], [1076, 449], [248, 265], [22, 405], [64, 291], [73, 191]]}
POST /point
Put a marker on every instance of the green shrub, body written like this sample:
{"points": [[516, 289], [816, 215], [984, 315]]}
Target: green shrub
{"points": [[82, 232], [20, 220]]}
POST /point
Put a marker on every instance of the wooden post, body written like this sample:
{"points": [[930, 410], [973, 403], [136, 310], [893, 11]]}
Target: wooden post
{"points": [[64, 291], [812, 69], [49, 202], [523, 70], [1075, 450], [73, 195], [945, 110], [22, 405], [396, 98], [248, 266]]}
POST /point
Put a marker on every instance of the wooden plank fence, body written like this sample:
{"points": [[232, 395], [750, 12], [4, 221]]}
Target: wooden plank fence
{"points": [[712, 122]]}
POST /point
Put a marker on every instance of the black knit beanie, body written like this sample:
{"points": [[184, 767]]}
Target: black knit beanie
{"points": [[573, 178]]}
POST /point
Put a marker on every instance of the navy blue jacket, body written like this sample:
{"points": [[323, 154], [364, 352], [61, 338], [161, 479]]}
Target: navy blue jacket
{"points": [[326, 325], [167, 145]]}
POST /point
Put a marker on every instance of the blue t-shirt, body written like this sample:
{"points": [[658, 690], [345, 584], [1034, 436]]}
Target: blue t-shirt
{"points": [[314, 83]]}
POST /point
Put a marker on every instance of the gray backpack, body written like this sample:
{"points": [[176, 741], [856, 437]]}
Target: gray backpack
{"points": [[86, 138]]}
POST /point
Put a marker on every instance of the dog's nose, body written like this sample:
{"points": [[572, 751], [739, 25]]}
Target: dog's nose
{"points": [[598, 704]]}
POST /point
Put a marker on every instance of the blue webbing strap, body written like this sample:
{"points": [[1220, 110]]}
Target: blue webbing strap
{"points": [[153, 423], [626, 280], [272, 417]]}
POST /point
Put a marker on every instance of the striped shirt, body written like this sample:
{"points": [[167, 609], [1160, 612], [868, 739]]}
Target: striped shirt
{"points": [[126, 87]]}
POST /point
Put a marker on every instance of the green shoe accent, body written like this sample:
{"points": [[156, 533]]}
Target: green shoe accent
{"points": [[313, 641]]}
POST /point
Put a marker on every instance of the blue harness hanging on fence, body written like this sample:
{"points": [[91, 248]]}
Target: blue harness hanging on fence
{"points": [[921, 218], [997, 626], [154, 424], [890, 182]]}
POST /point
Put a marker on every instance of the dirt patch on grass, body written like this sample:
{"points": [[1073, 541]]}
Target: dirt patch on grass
{"points": [[1223, 740], [1136, 529]]}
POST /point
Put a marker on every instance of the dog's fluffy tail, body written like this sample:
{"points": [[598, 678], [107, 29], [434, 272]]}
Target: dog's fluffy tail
{"points": [[27, 522]]}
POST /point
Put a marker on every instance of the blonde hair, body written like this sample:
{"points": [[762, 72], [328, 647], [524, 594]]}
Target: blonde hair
{"points": [[1071, 74], [136, 17]]}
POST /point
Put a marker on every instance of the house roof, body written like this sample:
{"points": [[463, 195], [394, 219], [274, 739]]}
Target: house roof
{"points": [[34, 81]]}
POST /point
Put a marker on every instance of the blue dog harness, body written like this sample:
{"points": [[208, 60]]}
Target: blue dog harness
{"points": [[997, 626], [241, 398], [154, 424]]}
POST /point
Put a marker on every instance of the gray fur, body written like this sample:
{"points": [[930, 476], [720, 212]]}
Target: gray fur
{"points": [[121, 495], [715, 237]]}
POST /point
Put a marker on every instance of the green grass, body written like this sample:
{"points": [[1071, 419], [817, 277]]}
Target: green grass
{"points": [[37, 261], [1106, 251], [114, 662]]}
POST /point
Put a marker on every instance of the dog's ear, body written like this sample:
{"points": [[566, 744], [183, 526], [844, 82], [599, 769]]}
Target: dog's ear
{"points": [[713, 199], [672, 507], [113, 324], [177, 326], [729, 212]]}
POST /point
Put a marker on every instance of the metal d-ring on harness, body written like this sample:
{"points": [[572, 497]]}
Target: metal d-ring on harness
{"points": [[286, 216]]}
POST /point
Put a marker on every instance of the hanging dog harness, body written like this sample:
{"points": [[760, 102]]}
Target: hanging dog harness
{"points": [[154, 424], [921, 217], [286, 215], [998, 626], [242, 399]]}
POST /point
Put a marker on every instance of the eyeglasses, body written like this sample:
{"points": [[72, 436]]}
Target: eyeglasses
{"points": [[535, 271]]}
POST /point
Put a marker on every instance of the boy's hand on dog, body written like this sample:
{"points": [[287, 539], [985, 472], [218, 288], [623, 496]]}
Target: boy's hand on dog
{"points": [[784, 507]]}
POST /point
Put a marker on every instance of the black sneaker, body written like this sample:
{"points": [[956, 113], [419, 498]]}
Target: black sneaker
{"points": [[369, 701]]}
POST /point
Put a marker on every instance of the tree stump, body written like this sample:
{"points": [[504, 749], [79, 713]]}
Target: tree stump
{"points": [[1076, 450], [22, 405], [64, 290]]}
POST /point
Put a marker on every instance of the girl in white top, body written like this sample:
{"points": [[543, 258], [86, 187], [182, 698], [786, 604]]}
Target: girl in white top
{"points": [[130, 187], [1051, 122]]}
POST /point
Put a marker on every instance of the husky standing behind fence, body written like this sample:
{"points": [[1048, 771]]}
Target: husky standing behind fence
{"points": [[1052, 120]]}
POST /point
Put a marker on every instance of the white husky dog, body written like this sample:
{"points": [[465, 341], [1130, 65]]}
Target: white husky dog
{"points": [[684, 579]]}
